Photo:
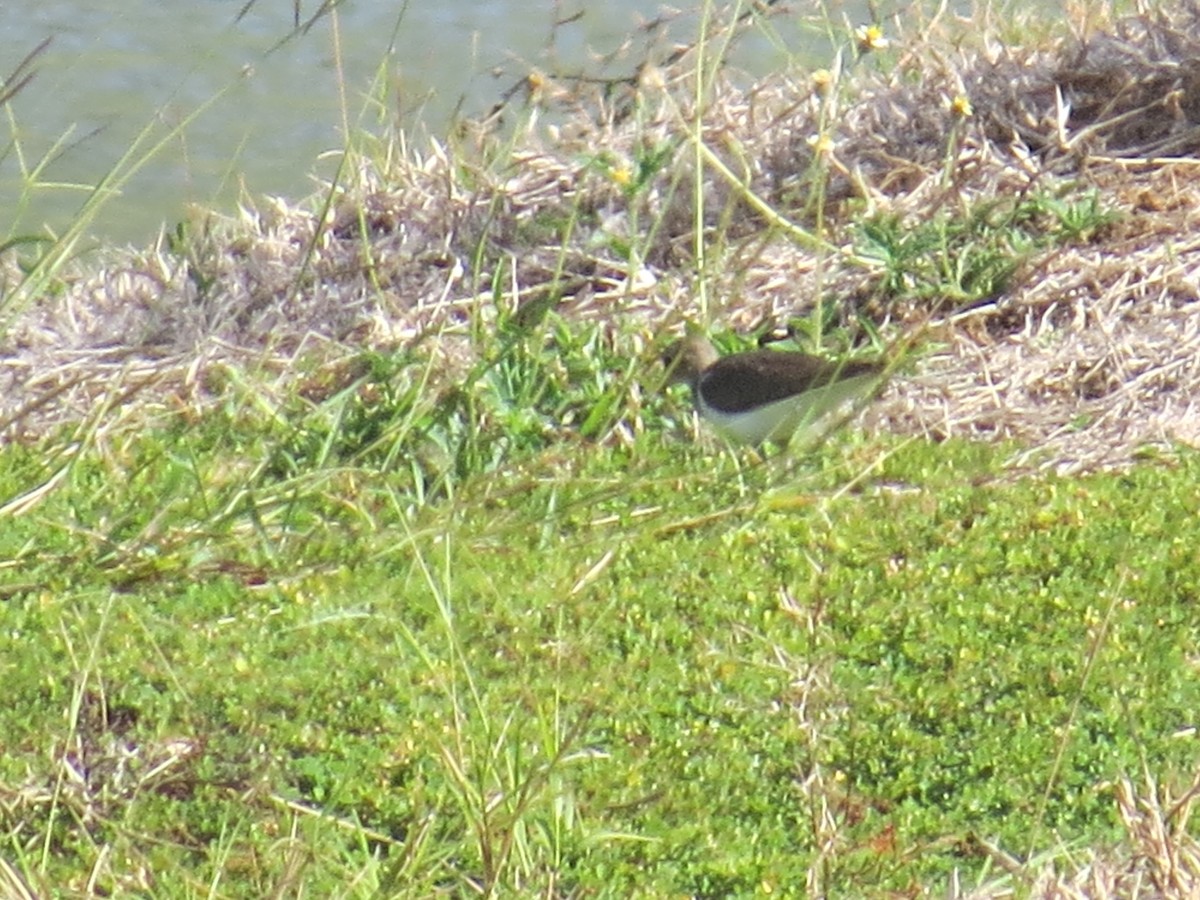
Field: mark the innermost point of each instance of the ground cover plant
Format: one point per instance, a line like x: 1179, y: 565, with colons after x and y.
x: 353, y: 549
x: 591, y: 674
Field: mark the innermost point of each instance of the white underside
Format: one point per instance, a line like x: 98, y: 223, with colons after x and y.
x: 807, y: 413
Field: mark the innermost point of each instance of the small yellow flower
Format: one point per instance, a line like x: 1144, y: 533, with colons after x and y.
x: 960, y: 107
x: 621, y: 175
x: 822, y: 81
x: 538, y: 86
x: 870, y: 37
x: 651, y: 78
x: 822, y: 144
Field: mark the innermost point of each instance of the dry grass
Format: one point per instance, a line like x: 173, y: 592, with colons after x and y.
x: 1091, y: 355
x: 1160, y: 860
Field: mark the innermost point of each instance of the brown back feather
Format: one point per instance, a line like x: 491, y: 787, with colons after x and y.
x: 745, y: 380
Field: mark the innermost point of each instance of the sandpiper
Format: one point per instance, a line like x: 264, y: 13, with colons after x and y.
x: 765, y: 395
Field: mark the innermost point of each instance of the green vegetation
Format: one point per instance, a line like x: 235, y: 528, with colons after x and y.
x: 354, y: 549
x: 973, y: 255
x: 242, y: 651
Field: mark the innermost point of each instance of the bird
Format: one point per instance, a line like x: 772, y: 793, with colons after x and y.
x: 766, y: 395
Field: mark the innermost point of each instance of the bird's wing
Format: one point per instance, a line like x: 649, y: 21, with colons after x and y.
x: 764, y: 376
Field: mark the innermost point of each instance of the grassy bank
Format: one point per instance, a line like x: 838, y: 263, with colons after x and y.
x: 649, y: 672
x: 352, y: 548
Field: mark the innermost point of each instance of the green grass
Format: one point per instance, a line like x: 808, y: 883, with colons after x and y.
x: 381, y: 629
x: 972, y: 254
x: 575, y: 668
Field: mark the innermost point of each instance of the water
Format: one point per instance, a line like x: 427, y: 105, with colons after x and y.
x: 240, y: 106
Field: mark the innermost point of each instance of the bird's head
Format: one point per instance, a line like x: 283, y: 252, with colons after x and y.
x: 687, y: 358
